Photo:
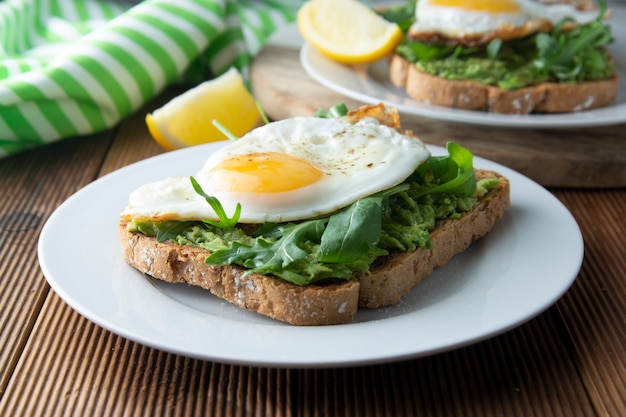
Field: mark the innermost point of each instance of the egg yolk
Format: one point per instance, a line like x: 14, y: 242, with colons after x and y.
x: 493, y: 6
x: 269, y: 172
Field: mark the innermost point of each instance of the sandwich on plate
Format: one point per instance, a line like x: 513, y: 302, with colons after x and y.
x: 309, y: 218
x: 505, y: 56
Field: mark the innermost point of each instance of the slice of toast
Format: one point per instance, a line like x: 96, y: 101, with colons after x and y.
x: 470, y: 95
x: 390, y: 278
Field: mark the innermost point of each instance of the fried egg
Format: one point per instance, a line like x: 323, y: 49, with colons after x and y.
x: 293, y: 169
x: 473, y: 22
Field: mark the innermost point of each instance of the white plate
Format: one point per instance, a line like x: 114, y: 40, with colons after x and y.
x: 528, y: 261
x: 372, y: 86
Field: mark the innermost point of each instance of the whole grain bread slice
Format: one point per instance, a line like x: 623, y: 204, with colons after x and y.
x: 470, y: 95
x: 390, y: 279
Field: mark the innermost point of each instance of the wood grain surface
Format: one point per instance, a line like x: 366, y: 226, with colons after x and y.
x: 577, y: 157
x: 568, y: 361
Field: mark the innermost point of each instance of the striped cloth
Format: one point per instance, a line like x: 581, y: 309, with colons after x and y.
x: 76, y: 67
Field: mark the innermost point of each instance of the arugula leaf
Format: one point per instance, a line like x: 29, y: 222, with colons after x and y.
x: 224, y: 221
x: 230, y: 135
x: 336, y: 111
x: 456, y: 172
x: 267, y: 257
x: 224, y: 130
x: 421, y: 51
x: 162, y: 231
x: 493, y: 48
x: 403, y: 15
x: 574, y: 55
x: 264, y: 117
x: 352, y: 231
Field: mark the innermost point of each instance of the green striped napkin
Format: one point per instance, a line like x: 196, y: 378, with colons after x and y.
x: 76, y: 67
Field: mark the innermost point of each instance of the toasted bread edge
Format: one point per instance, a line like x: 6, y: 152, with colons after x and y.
x: 470, y: 95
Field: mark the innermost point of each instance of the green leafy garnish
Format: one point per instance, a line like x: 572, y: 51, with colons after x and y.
x: 355, y: 230
x: 162, y: 231
x: 455, y: 172
x: 224, y: 130
x: 403, y: 14
x: 273, y: 257
x: 352, y: 231
x: 230, y: 134
x: 336, y: 111
x: 493, y: 48
x: 224, y: 221
x: 264, y: 117
x: 575, y: 55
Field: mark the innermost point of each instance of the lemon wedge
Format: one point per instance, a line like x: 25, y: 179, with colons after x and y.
x: 347, y: 31
x: 187, y: 119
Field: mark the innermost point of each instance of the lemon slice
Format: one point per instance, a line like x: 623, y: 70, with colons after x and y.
x: 347, y: 31
x: 187, y: 119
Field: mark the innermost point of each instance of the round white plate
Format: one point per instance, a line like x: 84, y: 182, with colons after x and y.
x: 521, y: 268
x: 371, y: 85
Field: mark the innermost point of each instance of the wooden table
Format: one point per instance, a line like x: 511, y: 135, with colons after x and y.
x: 568, y: 361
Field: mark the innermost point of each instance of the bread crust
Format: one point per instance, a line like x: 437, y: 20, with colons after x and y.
x: 300, y: 305
x: 390, y: 279
x: 469, y: 95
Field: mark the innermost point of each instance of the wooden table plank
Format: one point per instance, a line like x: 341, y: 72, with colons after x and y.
x: 594, y: 309
x: 32, y: 185
x: 73, y: 367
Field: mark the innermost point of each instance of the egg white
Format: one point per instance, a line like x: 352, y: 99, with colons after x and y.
x: 556, y: 11
x: 357, y: 160
x: 470, y: 26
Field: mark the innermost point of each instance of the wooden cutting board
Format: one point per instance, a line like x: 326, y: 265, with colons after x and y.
x: 576, y: 157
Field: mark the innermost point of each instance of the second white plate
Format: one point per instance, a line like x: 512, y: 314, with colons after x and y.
x: 373, y: 86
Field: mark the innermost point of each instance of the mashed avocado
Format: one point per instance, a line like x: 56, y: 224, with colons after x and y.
x: 483, y: 70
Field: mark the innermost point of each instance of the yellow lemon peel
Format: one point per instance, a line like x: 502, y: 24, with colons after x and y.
x: 187, y: 119
x: 347, y: 31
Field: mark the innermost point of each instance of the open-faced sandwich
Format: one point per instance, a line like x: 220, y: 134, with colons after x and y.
x: 306, y: 219
x: 505, y: 56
